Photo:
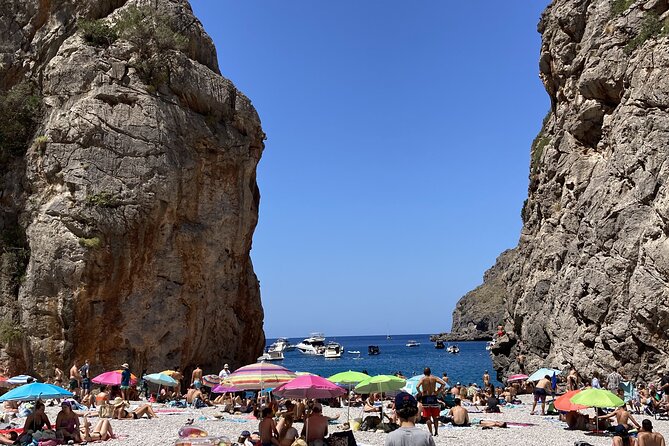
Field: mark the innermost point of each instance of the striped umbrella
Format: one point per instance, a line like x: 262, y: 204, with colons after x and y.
x: 258, y: 376
x: 211, y: 380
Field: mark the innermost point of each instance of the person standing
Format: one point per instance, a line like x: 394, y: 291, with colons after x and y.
x: 125, y: 381
x: 486, y: 379
x: 664, y: 383
x: 223, y: 374
x: 58, y: 377
x: 75, y: 378
x: 406, y: 408
x: 595, y: 381
x: 84, y: 371
x: 572, y: 380
x: 540, y: 392
x: 427, y: 387
x: 196, y: 377
x: 613, y: 381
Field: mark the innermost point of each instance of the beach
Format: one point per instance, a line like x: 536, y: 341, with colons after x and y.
x: 530, y: 430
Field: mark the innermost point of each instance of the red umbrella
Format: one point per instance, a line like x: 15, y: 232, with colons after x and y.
x: 309, y: 386
x: 562, y: 402
x: 112, y: 378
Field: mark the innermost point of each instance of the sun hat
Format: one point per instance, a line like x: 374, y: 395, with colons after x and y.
x: 118, y: 401
x: 125, y: 365
x: 404, y: 400
x: 226, y: 366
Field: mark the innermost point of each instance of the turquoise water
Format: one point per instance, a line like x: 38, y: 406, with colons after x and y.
x: 465, y: 367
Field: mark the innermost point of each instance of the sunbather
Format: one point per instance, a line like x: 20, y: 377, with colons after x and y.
x: 101, y: 431
x: 120, y: 411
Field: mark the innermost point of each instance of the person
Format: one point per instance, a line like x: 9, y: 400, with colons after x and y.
x: 458, y: 415
x: 315, y: 427
x: 101, y: 432
x: 613, y: 380
x: 143, y: 387
x: 664, y: 383
x: 84, y: 371
x: 67, y: 423
x: 287, y: 433
x: 373, y: 404
x: 595, y: 381
x: 623, y: 418
x: 58, y: 376
x: 647, y: 437
x: 486, y: 379
x: 75, y: 377
x: 540, y: 392
x: 576, y: 420
x: 125, y: 380
x: 178, y: 377
x: 223, y: 374
x: 492, y: 403
x: 196, y: 377
x: 37, y: 420
x: 9, y: 438
x: 572, y: 380
x: 406, y: 408
x: 520, y: 360
x: 427, y: 387
x: 121, y: 413
x: 267, y: 427
x: 444, y: 378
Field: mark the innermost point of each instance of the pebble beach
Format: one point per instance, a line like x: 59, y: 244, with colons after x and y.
x: 530, y: 430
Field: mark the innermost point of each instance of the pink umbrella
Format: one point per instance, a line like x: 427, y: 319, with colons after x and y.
x: 112, y: 378
x: 518, y: 377
x: 309, y: 386
x: 224, y: 389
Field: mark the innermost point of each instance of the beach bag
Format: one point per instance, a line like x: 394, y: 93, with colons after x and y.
x: 370, y: 423
x: 343, y: 438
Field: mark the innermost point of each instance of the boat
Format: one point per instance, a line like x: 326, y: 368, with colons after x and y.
x: 280, y: 345
x: 354, y: 352
x: 453, y: 349
x: 271, y: 356
x: 373, y: 350
x: 333, y: 350
x: 439, y: 345
x: 313, y: 345
x: 412, y: 343
x: 388, y: 338
x: 490, y: 345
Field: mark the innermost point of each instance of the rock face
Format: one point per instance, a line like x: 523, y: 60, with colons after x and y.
x: 135, y: 202
x: 479, y: 312
x: 589, y: 287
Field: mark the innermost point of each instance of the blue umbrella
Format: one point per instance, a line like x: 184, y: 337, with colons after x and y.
x: 410, y: 386
x: 539, y: 374
x: 554, y: 382
x: 35, y: 391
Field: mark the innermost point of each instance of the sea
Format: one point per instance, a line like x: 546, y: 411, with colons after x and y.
x: 465, y: 367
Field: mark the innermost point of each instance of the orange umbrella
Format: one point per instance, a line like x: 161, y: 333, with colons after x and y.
x: 562, y: 402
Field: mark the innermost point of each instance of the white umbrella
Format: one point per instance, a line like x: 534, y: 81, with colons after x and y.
x: 161, y: 379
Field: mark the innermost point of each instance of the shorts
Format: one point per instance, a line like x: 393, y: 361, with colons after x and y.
x: 125, y: 387
x: 86, y: 384
x: 74, y: 384
x: 197, y: 383
x: 540, y: 395
x: 431, y: 412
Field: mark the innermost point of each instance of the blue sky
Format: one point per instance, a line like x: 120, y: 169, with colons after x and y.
x: 397, y: 156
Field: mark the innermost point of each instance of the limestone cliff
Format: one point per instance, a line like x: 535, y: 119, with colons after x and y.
x: 479, y: 312
x: 590, y: 284
x: 128, y: 208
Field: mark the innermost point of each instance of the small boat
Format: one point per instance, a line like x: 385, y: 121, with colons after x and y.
x: 490, y: 345
x: 313, y: 345
x: 280, y: 345
x: 354, y: 352
x: 271, y: 356
x: 333, y: 350
x: 412, y: 343
x: 388, y: 338
x: 439, y: 345
x: 453, y: 349
x: 373, y: 350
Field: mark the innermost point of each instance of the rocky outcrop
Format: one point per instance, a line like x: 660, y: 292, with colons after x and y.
x: 135, y: 200
x: 590, y: 283
x: 479, y: 312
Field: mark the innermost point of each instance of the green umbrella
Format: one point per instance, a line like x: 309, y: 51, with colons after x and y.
x: 380, y: 383
x: 597, y: 398
x: 349, y: 378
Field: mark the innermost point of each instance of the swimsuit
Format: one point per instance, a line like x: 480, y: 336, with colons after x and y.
x: 431, y: 406
x: 540, y: 394
x: 74, y: 384
x: 197, y: 383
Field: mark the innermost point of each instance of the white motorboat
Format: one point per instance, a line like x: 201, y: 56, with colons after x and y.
x: 271, y: 356
x: 412, y: 343
x: 453, y: 349
x: 333, y: 350
x: 280, y: 345
x: 490, y: 345
x: 313, y: 345
x: 355, y: 352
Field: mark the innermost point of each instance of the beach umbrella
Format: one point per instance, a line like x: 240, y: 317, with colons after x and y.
x: 517, y: 377
x: 35, y: 391
x: 380, y: 384
x: 597, y: 398
x: 222, y: 388
x: 259, y: 376
x: 411, y: 384
x: 309, y: 386
x: 211, y: 380
x: 112, y: 378
x: 348, y: 377
x: 541, y: 373
x: 161, y: 379
x: 20, y: 379
x: 564, y: 404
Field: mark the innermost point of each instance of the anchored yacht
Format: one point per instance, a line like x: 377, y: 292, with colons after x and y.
x: 313, y: 345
